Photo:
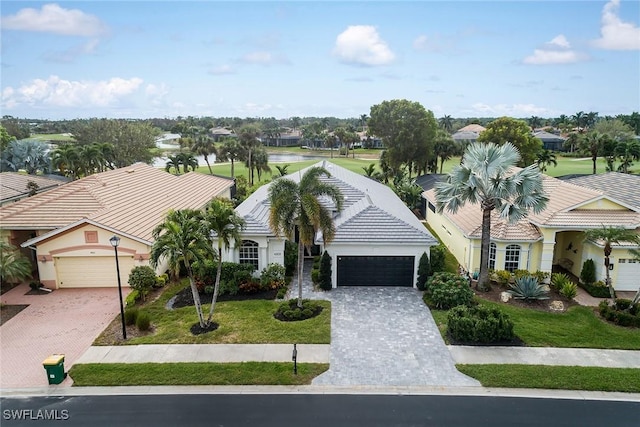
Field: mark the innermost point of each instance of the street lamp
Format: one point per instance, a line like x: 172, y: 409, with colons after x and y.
x: 115, y: 241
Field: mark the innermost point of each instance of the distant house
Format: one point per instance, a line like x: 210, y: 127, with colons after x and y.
x: 550, y: 141
x: 555, y: 237
x: 219, y: 133
x: 66, y: 231
x: 15, y: 186
x: 468, y: 134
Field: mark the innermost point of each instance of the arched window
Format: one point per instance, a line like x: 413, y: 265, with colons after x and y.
x: 249, y: 253
x: 492, y: 256
x: 512, y: 258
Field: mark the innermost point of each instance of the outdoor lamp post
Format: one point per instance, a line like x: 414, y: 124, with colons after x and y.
x: 115, y: 241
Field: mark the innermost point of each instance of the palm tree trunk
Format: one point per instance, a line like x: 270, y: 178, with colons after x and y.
x: 196, y: 298
x: 232, y: 173
x: 300, y: 270
x: 483, y: 278
x: 608, y: 280
x: 208, y: 165
x: 594, y: 159
x: 216, y: 288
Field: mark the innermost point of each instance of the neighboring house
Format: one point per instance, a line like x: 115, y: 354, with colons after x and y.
x: 287, y: 139
x: 378, y: 240
x: 219, y: 133
x: 555, y: 237
x: 468, y: 134
x: 550, y: 141
x: 66, y: 231
x: 15, y: 186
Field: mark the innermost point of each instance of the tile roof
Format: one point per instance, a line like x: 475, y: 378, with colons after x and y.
x: 132, y: 200
x: 13, y: 185
x: 621, y: 186
x: 563, y: 211
x: 472, y: 128
x: 371, y: 211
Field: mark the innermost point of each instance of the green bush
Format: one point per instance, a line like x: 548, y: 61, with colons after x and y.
x: 588, y: 272
x: 132, y: 298
x: 523, y: 273
x: 315, y: 276
x: 424, y: 271
x: 446, y: 290
x: 130, y: 315
x: 272, y: 277
x: 527, y: 288
x: 597, y: 289
x: 569, y: 290
x: 143, y: 322
x: 161, y: 280
x: 541, y: 276
x: 479, y: 324
x: 503, y: 277
x: 250, y: 286
x: 618, y: 314
x: 324, y: 279
x: 142, y: 278
x: 282, y: 292
x: 231, y: 272
x: 289, y: 311
x: 316, y: 262
x: 438, y: 256
x: 209, y: 289
x: 290, y: 257
x: 558, y: 280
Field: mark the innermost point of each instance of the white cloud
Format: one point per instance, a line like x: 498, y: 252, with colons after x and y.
x: 156, y: 93
x: 87, y: 48
x: 222, y: 69
x: 58, y: 92
x: 362, y: 45
x: 556, y: 51
x: 616, y: 34
x: 437, y: 43
x: 513, y: 110
x: 55, y: 19
x: 263, y: 58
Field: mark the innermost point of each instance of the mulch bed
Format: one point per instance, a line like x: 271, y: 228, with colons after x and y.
x: 8, y: 311
x: 196, y: 329
x: 184, y: 298
x: 540, y: 305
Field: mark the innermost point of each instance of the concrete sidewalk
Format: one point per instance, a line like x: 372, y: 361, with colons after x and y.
x: 213, y: 353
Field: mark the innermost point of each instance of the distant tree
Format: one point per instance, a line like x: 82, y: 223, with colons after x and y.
x: 5, y: 138
x: 579, y: 119
x: 535, y: 122
x: 248, y: 139
x: 205, y: 147
x: 627, y: 152
x: 363, y: 121
x: 66, y: 158
x: 517, y: 132
x: 592, y: 144
x: 295, y: 122
x: 546, y: 158
x: 231, y: 151
x: 444, y: 147
x: 446, y: 123
x: 16, y: 128
x: 632, y: 120
x: 173, y: 162
x: 572, y: 141
x: 261, y: 161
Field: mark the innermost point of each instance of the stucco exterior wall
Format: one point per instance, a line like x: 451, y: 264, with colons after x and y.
x: 453, y: 238
x: 602, y: 204
x: 270, y: 250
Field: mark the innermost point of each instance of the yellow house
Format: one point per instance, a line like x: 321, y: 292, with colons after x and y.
x: 66, y: 231
x: 555, y: 237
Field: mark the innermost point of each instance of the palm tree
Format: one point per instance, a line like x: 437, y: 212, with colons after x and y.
x: 446, y: 123
x: 298, y: 204
x: 592, y: 143
x: 66, y: 158
x: 231, y: 151
x: 369, y: 170
x: 188, y: 161
x: 546, y: 158
x: 223, y: 221
x: 579, y: 119
x: 91, y: 159
x: 486, y: 177
x: 205, y: 147
x: 573, y: 139
x: 180, y: 240
x: 609, y: 236
x: 444, y: 147
x: 363, y: 121
x: 173, y: 162
x: 261, y: 161
x: 282, y: 170
x: 107, y: 157
x: 14, y: 266
x: 627, y: 151
x: 535, y: 122
x: 249, y: 142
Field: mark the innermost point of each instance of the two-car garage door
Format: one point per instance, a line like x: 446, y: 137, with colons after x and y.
x: 375, y: 270
x: 94, y: 272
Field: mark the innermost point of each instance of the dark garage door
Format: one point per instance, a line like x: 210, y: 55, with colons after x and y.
x: 375, y: 270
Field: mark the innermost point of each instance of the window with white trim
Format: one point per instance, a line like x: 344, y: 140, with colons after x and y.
x: 492, y: 256
x: 249, y: 253
x: 512, y: 258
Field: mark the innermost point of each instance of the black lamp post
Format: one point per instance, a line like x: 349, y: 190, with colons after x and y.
x: 115, y: 241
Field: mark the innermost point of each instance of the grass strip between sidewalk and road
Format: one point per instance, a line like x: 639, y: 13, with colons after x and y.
x: 586, y: 378
x: 246, y: 373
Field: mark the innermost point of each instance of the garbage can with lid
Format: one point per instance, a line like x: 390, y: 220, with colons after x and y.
x: 54, y: 365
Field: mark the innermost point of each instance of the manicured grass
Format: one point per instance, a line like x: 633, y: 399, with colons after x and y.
x: 241, y: 322
x: 578, y: 327
x: 56, y: 137
x: 248, y: 373
x: 555, y: 377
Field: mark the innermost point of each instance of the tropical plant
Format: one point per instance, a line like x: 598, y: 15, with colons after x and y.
x: 180, y: 240
x: 558, y: 280
x: 592, y: 144
x: 223, y: 225
x: 205, y: 147
x: 546, y: 158
x: 444, y: 147
x: 298, y: 204
x: 324, y: 279
x: 606, y: 237
x: 569, y: 290
x: 248, y: 139
x: 14, y: 267
x: 142, y: 278
x: 527, y: 288
x: 486, y: 177
x: 446, y: 123
x: 30, y: 155
x: 424, y: 271
x: 231, y: 151
x: 369, y: 170
x: 446, y: 290
x: 588, y: 272
x: 479, y: 324
x: 282, y: 169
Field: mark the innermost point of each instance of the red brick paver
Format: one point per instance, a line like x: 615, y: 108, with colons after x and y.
x: 66, y: 321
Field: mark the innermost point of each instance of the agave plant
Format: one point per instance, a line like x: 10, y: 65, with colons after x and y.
x: 559, y: 280
x: 528, y: 288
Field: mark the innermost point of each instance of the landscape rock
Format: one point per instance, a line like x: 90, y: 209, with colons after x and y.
x: 556, y: 306
x: 505, y: 296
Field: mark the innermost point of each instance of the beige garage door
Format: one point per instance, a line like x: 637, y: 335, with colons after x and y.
x: 92, y: 272
x: 628, y: 275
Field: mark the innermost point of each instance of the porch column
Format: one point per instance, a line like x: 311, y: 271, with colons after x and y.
x: 548, y: 246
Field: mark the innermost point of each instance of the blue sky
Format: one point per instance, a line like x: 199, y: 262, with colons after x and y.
x: 144, y: 59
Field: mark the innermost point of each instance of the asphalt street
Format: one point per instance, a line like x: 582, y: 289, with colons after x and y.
x: 311, y: 410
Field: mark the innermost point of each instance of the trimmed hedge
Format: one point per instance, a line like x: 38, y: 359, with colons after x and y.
x: 596, y: 290
x: 620, y: 316
x: 479, y: 324
x: 446, y: 290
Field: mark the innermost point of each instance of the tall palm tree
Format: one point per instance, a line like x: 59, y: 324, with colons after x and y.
x: 205, y: 147
x: 446, y: 123
x: 14, y: 266
x: 248, y: 138
x: 546, y: 158
x: 180, y: 240
x: 222, y: 220
x: 91, y: 159
x: 261, y: 161
x: 108, y: 155
x: 173, y: 162
x: 609, y: 236
x: 627, y: 151
x: 592, y: 143
x: 66, y: 158
x: 231, y: 151
x: 363, y: 121
x: 444, y: 147
x: 486, y: 177
x: 294, y: 203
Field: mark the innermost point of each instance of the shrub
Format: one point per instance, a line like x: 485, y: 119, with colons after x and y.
x: 228, y: 288
x: 250, y: 286
x: 618, y: 315
x: 588, y: 272
x: 424, y: 271
x: 272, y: 276
x: 282, y: 292
x: 324, y: 279
x: 558, y: 280
x: 446, y: 290
x: 161, y: 280
x: 523, y: 273
x: 597, y: 289
x: 479, y: 324
x: 569, y: 290
x: 130, y: 315
x: 541, y: 276
x: 316, y: 262
x: 231, y: 272
x: 290, y: 257
x: 315, y: 276
x: 503, y: 277
x: 527, y: 288
x: 142, y: 279
x: 143, y: 322
x: 438, y: 255
x: 209, y: 289
x: 289, y: 311
x: 132, y: 298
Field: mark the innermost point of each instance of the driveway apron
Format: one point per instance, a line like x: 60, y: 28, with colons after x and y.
x: 386, y: 336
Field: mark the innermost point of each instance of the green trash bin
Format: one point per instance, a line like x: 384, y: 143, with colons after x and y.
x: 54, y: 365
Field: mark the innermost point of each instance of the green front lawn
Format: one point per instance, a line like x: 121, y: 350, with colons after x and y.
x: 247, y: 373
x: 625, y: 380
x: 578, y: 327
x: 241, y: 322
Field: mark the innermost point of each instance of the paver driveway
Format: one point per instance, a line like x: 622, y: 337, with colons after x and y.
x: 386, y: 336
x: 65, y: 321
